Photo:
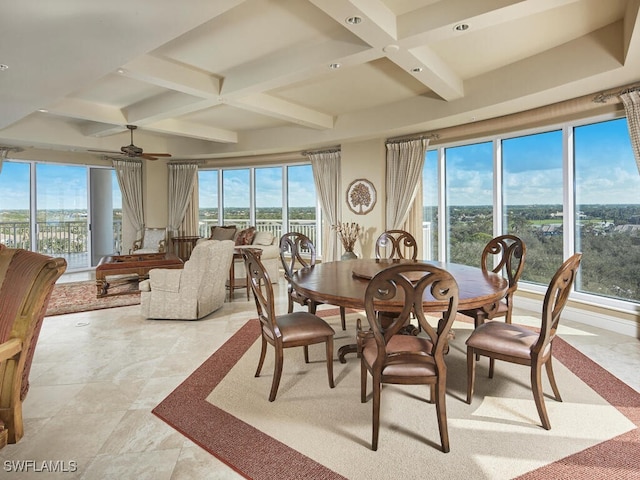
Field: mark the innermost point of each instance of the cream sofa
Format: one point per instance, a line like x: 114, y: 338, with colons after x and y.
x: 263, y: 240
x: 193, y: 292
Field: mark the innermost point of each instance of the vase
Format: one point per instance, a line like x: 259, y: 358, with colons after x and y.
x: 349, y: 255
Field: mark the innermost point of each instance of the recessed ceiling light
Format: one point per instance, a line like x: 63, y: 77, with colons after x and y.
x: 461, y: 27
x: 416, y: 69
x: 43, y: 110
x: 353, y: 20
x: 334, y: 66
x: 3, y: 67
x: 120, y: 71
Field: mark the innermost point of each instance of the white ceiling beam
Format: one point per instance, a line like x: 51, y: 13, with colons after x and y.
x: 172, y: 76
x: 632, y: 31
x: 435, y: 22
x: 193, y: 130
x: 282, y: 109
x: 95, y: 112
x: 378, y: 29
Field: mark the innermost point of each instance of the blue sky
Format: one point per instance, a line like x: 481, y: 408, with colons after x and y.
x: 606, y: 173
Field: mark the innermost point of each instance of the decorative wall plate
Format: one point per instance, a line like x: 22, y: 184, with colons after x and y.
x: 361, y: 196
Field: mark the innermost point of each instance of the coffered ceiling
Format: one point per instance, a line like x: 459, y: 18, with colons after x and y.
x: 212, y: 79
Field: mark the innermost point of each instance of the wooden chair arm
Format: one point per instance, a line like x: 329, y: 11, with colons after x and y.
x: 10, y: 348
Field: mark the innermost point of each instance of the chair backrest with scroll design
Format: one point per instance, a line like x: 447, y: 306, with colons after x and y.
x: 396, y: 244
x: 393, y: 357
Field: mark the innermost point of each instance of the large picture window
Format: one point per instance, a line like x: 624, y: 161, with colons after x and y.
x: 607, y: 210
x: 562, y: 190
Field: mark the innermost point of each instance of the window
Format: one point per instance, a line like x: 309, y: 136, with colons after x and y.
x: 268, y: 187
x: 430, y: 195
x: 532, y: 200
x: 607, y: 210
x: 46, y: 208
x: 301, y: 202
x: 15, y: 205
x: 469, y: 193
x: 283, y: 199
x: 236, y: 198
x: 208, y: 201
x: 561, y: 190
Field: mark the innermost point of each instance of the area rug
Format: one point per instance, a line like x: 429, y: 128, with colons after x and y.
x: 75, y: 297
x: 312, y: 431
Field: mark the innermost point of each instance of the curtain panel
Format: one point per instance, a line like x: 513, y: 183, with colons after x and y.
x: 326, y: 176
x: 129, y: 175
x: 405, y: 160
x: 631, y: 102
x: 182, y: 177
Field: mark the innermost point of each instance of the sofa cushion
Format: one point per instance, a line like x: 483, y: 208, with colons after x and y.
x: 245, y: 237
x: 223, y: 233
x: 263, y: 238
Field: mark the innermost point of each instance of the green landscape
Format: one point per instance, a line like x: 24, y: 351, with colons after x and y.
x: 609, y: 238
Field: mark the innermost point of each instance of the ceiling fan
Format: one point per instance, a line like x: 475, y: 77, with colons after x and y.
x: 133, y: 151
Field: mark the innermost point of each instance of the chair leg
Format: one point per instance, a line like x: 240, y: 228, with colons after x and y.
x: 313, y: 306
x: 552, y: 380
x: 492, y: 364
x: 330, y: 361
x: 363, y: 382
x: 471, y: 374
x: 306, y: 353
x: 263, y: 352
x: 441, y: 411
x: 432, y: 393
x: 343, y: 320
x: 290, y: 306
x: 538, y: 395
x: 277, y: 373
x: 376, y: 413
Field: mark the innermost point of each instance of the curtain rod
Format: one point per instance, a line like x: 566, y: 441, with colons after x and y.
x: 604, y: 96
x: 405, y: 138
x: 326, y: 150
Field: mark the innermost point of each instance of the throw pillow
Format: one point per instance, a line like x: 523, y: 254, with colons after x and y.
x: 223, y: 233
x: 263, y: 238
x: 245, y: 237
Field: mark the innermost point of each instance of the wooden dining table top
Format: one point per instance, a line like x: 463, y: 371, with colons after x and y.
x: 343, y: 283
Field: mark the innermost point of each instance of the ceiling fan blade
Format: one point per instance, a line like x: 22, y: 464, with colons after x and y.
x: 105, y: 151
x: 157, y: 154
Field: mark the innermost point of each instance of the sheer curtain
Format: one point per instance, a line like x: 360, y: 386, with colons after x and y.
x: 190, y: 222
x: 129, y: 175
x: 326, y: 176
x: 631, y: 102
x: 405, y: 160
x: 182, y: 177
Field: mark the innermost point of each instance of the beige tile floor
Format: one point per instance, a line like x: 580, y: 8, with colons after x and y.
x: 97, y: 375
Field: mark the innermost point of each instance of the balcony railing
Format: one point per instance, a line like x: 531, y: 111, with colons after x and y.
x: 306, y: 227
x: 67, y: 239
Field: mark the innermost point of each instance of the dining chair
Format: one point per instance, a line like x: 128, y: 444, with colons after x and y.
x: 523, y: 345
x: 396, y: 244
x: 298, y: 251
x: 504, y: 254
x: 295, y: 329
x: 390, y: 357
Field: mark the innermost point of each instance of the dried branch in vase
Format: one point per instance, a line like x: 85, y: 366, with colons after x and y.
x: 348, y: 233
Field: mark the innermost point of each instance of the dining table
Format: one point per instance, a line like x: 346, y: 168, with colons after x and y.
x: 343, y: 283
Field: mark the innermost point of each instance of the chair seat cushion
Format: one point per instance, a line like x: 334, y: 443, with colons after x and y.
x: 500, y: 337
x: 403, y: 343
x: 302, y: 326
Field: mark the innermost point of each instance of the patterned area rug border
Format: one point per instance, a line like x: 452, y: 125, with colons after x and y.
x: 246, y: 449
x: 76, y: 297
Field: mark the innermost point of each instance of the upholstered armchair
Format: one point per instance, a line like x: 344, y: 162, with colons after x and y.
x: 192, y: 292
x: 154, y: 240
x: 26, y: 282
